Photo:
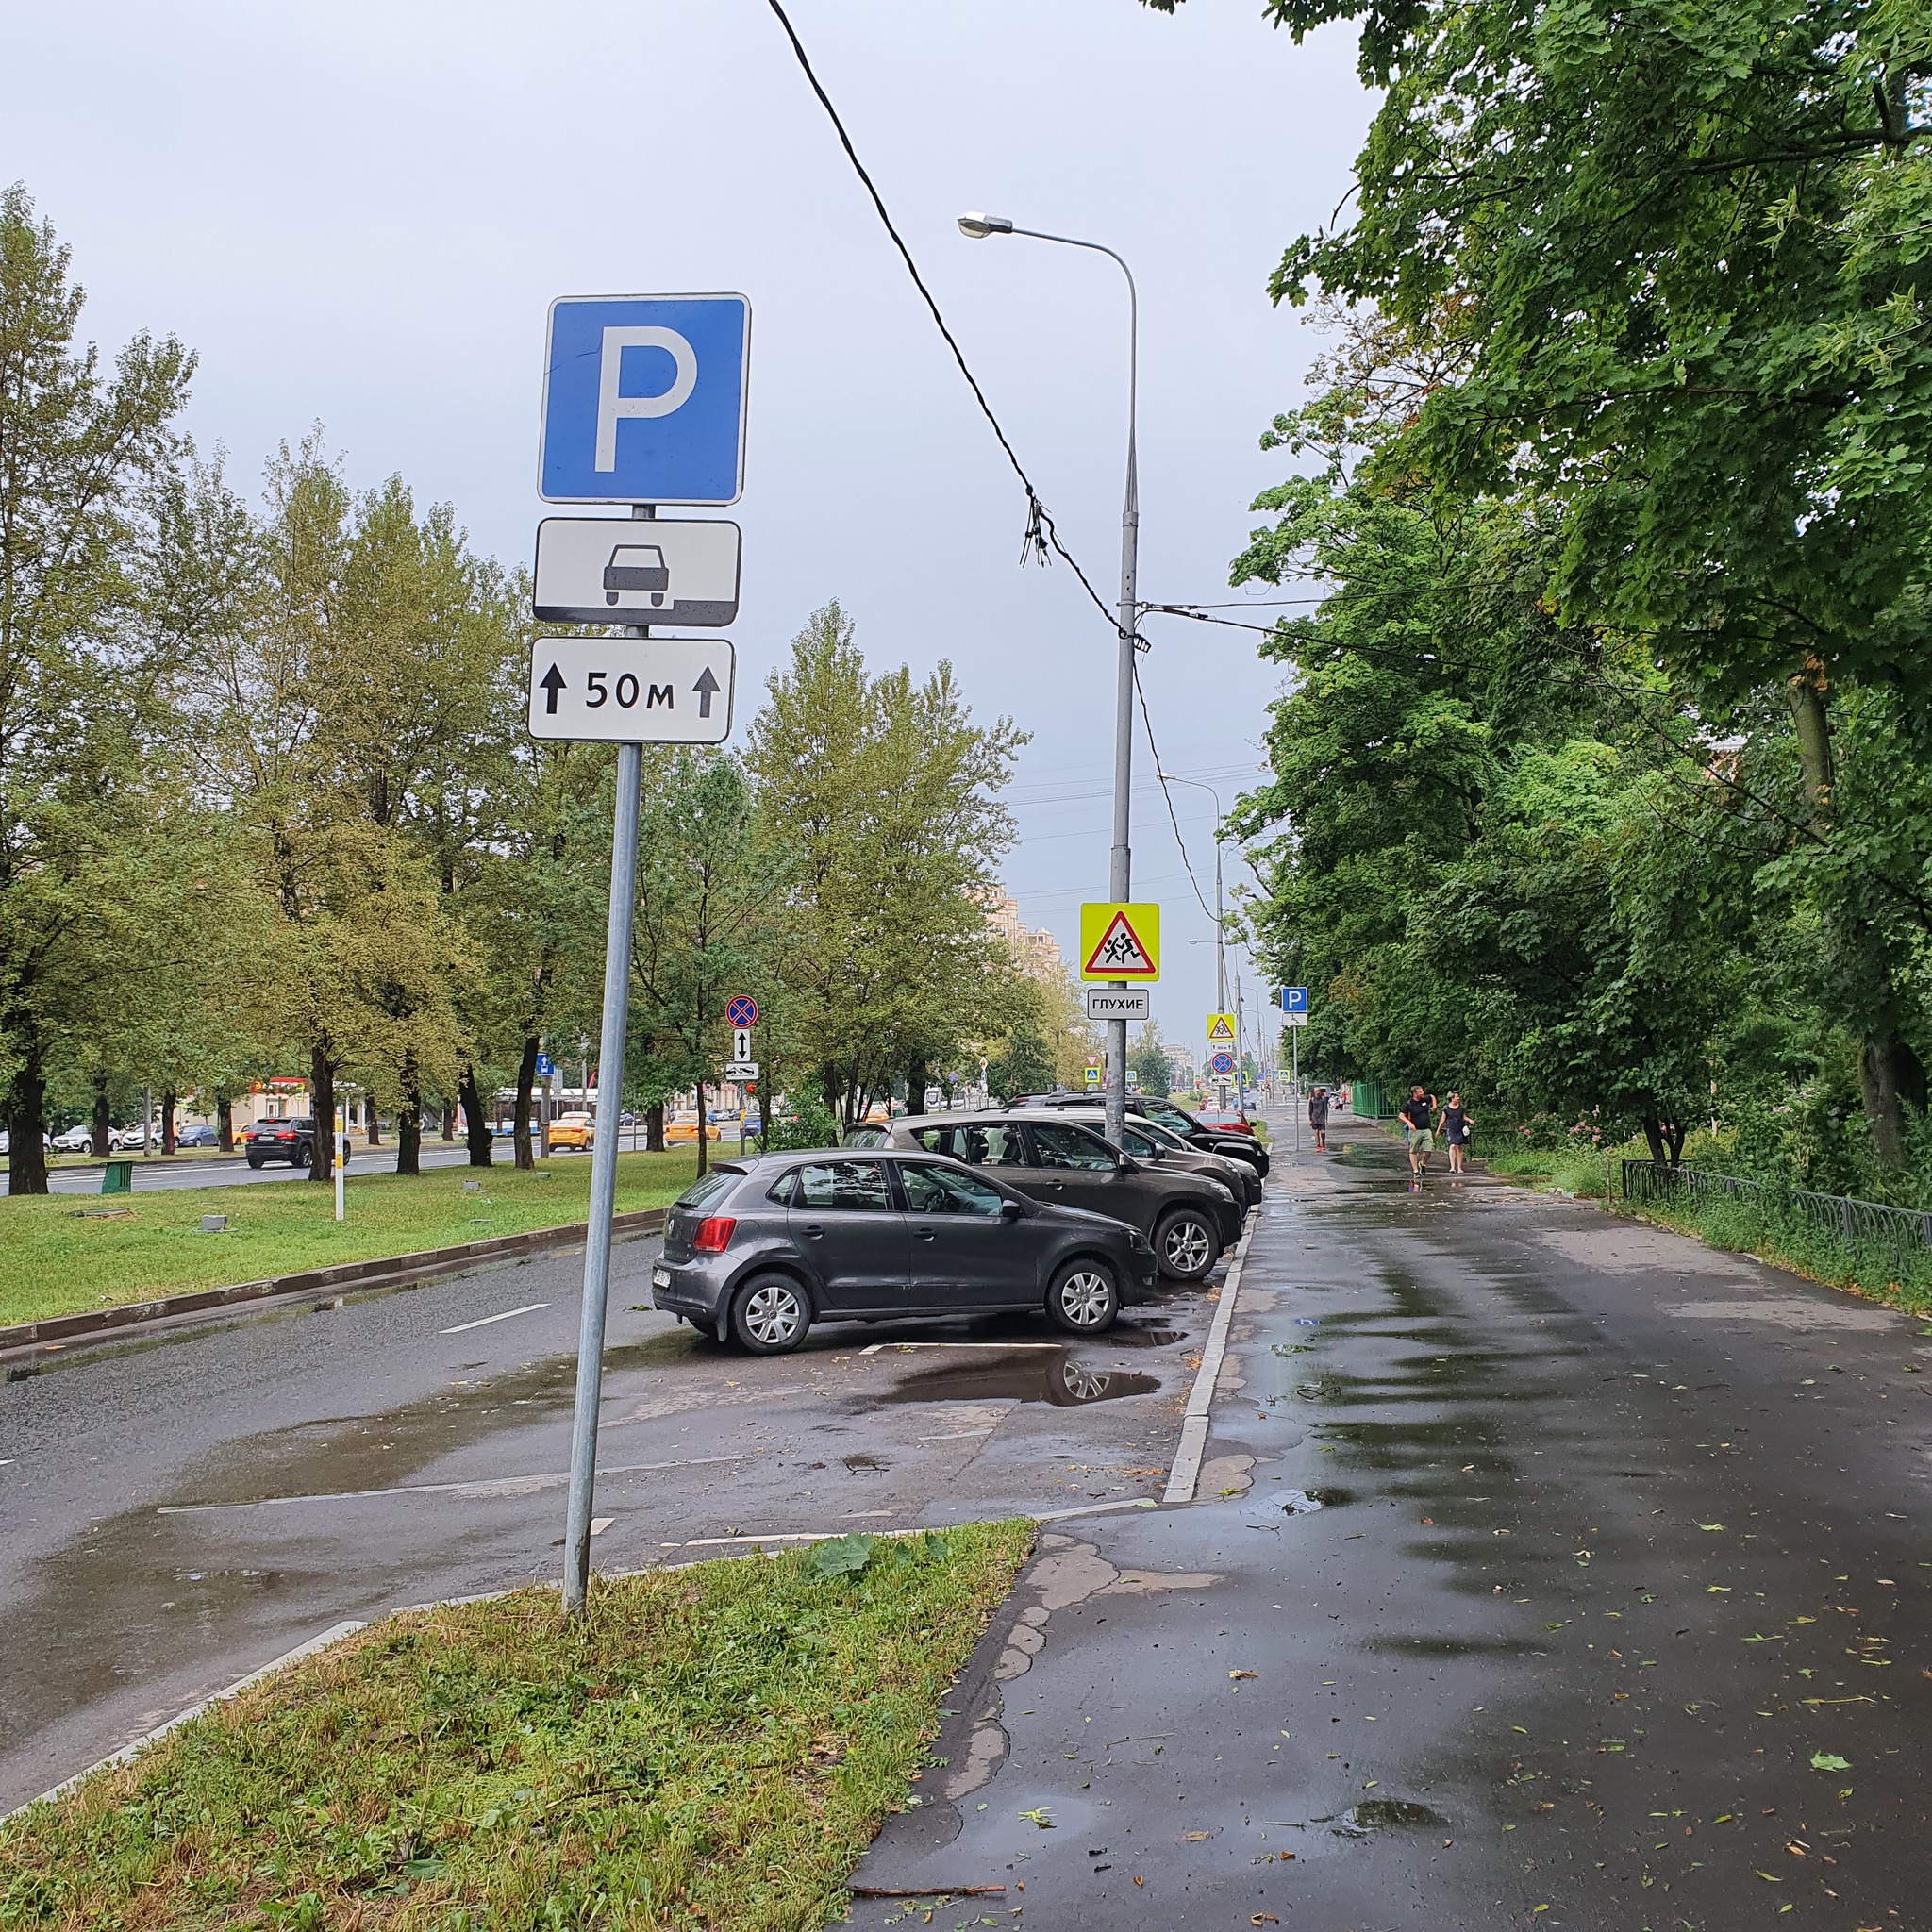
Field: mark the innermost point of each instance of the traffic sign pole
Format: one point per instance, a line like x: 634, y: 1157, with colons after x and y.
x: 583, y: 1442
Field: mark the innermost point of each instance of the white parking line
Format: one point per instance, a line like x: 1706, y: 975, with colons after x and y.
x: 494, y: 1486
x: 876, y: 1346
x: 1186, y: 1473
x: 483, y: 1322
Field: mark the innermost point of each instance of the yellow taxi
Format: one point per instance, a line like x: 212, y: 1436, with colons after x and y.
x: 684, y: 1128
x: 575, y: 1130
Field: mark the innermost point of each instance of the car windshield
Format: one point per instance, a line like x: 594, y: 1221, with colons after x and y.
x: 1165, y: 1113
x: 946, y: 1190
x: 709, y: 1187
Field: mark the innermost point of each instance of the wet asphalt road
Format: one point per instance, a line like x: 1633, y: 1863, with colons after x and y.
x: 1621, y: 1548
x: 231, y: 1170
x: 177, y: 1513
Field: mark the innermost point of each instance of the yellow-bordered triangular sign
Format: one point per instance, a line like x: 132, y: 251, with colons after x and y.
x: 1120, y: 941
x: 1219, y: 1029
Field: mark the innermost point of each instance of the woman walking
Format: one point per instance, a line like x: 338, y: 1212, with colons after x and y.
x: 1318, y: 1118
x: 1457, y: 1126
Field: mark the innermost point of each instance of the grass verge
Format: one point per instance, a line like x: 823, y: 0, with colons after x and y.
x: 61, y: 1255
x: 715, y: 1746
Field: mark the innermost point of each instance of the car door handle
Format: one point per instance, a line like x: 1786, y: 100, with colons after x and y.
x: 927, y: 1234
x: 814, y: 1230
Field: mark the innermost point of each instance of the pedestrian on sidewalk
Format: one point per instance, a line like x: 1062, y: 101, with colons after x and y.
x: 1318, y: 1118
x: 1418, y: 1119
x: 1456, y: 1128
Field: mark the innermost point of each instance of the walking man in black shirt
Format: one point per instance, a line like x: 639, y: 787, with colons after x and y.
x: 1417, y: 1116
x: 1318, y: 1118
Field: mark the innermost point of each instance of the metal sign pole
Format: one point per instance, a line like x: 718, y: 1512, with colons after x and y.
x: 1294, y: 1081
x: 583, y: 1442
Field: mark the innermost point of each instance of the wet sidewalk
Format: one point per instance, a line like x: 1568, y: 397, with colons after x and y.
x: 1548, y: 1569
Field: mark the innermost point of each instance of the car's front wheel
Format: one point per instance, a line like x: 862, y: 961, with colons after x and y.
x: 1186, y: 1245
x: 771, y: 1314
x: 1084, y: 1298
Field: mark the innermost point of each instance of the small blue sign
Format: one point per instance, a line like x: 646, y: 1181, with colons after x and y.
x: 644, y: 399
x: 545, y: 1066
x: 1295, y: 999
x: 1221, y: 1063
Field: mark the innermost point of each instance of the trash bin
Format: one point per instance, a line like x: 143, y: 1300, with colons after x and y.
x: 117, y: 1177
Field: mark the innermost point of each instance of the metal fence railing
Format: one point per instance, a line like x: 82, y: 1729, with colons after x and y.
x: 1904, y: 1232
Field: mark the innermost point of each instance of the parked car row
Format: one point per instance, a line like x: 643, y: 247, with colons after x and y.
x: 949, y: 1214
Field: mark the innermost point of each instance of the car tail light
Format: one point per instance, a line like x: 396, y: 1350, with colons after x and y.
x: 713, y: 1232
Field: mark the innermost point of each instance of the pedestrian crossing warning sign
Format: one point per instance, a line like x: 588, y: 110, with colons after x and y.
x: 1219, y: 1029
x: 1120, y: 941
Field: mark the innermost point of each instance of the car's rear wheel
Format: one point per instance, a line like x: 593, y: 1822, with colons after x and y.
x: 1084, y: 1298
x: 254, y: 1161
x: 771, y: 1314
x: 1186, y: 1245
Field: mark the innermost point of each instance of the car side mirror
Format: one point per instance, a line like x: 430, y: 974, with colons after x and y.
x: 1011, y: 1210
x: 1127, y: 1164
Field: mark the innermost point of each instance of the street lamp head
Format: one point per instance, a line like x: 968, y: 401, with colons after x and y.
x: 979, y: 227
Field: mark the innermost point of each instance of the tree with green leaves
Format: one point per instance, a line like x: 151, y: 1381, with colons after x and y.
x: 82, y: 661
x: 886, y: 794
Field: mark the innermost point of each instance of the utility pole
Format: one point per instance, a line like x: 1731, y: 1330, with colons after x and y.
x: 1119, y: 861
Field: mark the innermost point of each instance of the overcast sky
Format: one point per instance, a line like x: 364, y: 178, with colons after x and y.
x: 357, y: 214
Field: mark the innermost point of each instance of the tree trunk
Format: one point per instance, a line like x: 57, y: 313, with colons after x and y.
x: 409, y: 1121
x: 526, y: 1081
x: 1807, y: 693
x: 654, y: 1127
x: 915, y: 1086
x: 372, y: 1125
x: 1654, y: 1133
x: 476, y: 1124
x: 1893, y: 1078
x: 27, y: 1110
x: 449, y: 1119
x: 104, y: 1116
x: 704, y: 1135
x: 224, y: 1121
x: 321, y: 1106
x: 167, y: 1120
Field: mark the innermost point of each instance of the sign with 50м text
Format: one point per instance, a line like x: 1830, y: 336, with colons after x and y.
x: 644, y: 399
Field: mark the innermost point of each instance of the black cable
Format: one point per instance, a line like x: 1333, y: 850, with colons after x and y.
x: 1037, y: 517
x: 1173, y: 818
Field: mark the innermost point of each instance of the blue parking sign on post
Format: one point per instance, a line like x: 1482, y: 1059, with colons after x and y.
x: 644, y: 399
x: 1295, y: 999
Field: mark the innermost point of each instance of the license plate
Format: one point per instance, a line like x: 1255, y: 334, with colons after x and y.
x: 660, y: 1277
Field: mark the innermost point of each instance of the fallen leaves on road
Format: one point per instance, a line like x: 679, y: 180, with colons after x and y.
x: 1042, y: 1817
x: 1243, y: 1674
x: 1829, y: 1761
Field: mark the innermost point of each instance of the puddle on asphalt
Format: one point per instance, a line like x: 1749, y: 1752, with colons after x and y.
x: 1035, y: 1377
x: 1390, y: 1814
x: 1129, y: 1335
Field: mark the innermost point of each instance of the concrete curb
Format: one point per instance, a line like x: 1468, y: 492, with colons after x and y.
x: 1186, y: 1471
x: 391, y: 1271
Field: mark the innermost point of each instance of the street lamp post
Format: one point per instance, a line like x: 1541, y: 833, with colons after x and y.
x: 1120, y: 865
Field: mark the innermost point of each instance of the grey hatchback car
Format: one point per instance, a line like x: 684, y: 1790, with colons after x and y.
x: 1189, y: 1218
x: 757, y: 1250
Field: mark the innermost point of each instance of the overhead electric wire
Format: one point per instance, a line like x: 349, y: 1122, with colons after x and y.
x: 1037, y: 514
x: 1154, y: 752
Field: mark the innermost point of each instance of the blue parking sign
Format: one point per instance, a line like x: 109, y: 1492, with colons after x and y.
x: 644, y: 399
x: 1295, y: 999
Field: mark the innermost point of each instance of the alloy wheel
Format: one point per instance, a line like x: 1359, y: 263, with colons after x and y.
x: 1087, y: 1298
x: 1189, y: 1247
x: 773, y: 1314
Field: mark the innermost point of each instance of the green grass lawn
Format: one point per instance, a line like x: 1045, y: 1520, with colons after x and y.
x: 60, y: 1254
x: 715, y: 1746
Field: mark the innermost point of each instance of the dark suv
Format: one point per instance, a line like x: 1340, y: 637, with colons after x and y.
x: 1188, y: 1218
x: 1148, y: 1141
x: 1164, y: 1113
x: 290, y: 1141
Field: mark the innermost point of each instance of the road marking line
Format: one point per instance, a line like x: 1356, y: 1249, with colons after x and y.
x: 464, y: 1327
x: 505, y: 1485
x: 1186, y: 1473
x: 1092, y: 1510
x: 877, y: 1346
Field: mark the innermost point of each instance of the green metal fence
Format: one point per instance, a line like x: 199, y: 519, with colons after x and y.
x: 1368, y: 1100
